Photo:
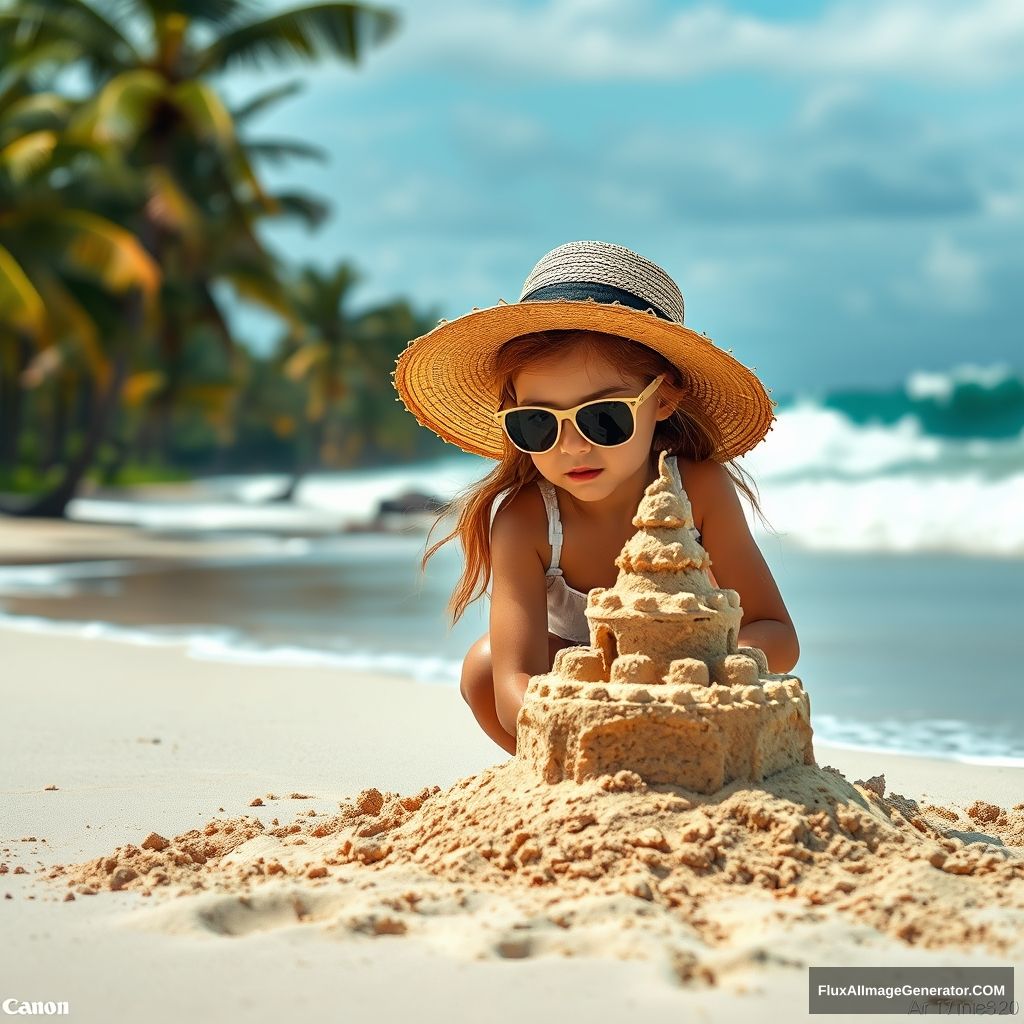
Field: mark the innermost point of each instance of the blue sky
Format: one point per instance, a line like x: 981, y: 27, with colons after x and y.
x: 837, y: 188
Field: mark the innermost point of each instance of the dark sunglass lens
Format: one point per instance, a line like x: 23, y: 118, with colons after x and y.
x: 606, y: 423
x: 534, y: 430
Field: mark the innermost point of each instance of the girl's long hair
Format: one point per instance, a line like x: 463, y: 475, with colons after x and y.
x: 686, y: 432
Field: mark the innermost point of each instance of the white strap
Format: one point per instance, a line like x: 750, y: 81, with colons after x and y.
x: 554, y: 525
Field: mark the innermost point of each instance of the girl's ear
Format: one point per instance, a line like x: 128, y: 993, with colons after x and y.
x: 669, y: 395
x: 665, y: 409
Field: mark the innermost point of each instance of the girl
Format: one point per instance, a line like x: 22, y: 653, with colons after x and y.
x: 576, y: 389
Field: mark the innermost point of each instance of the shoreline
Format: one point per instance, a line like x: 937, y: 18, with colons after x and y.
x: 224, y: 645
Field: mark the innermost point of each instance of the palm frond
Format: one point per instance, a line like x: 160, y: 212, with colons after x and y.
x: 262, y: 100
x: 139, y: 387
x: 209, y: 313
x: 341, y: 29
x: 279, y: 150
x: 209, y: 118
x: 296, y: 205
x: 262, y: 288
x: 25, y: 156
x: 215, y: 12
x: 211, y: 121
x: 31, y: 112
x: 303, y: 359
x: 71, y: 322
x: 121, y: 110
x: 40, y: 21
x: 23, y: 306
x: 24, y: 66
x: 170, y: 206
x: 106, y: 252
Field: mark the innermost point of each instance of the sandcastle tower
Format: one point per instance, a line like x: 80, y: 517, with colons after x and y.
x: 662, y: 689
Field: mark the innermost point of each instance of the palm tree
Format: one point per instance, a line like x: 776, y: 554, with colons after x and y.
x: 381, y: 333
x: 320, y: 353
x: 189, y: 191
x: 345, y: 360
x: 69, y: 277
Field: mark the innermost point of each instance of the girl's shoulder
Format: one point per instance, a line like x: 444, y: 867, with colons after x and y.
x: 699, y: 478
x: 526, y: 515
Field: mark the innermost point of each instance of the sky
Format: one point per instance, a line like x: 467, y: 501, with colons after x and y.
x: 837, y: 188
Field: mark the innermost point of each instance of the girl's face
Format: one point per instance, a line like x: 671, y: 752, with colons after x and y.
x: 567, y: 379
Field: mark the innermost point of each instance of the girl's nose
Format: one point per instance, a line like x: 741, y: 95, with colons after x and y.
x: 572, y: 439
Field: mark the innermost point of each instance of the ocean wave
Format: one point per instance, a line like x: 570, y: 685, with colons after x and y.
x: 969, y: 515
x: 229, y: 645
x: 941, y: 738
x: 965, y: 401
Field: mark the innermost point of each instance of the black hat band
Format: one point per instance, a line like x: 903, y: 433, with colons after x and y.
x: 582, y: 290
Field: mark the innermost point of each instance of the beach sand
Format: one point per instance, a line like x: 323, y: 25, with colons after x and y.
x: 41, y: 541
x: 110, y: 746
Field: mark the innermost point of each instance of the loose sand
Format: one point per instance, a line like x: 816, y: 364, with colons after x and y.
x: 610, y: 864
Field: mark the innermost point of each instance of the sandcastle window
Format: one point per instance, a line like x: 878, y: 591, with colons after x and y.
x: 731, y: 643
x: 608, y: 646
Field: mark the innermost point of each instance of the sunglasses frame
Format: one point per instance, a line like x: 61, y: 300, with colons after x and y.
x: 570, y: 414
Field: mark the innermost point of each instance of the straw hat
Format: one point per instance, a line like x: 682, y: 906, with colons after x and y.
x: 446, y: 377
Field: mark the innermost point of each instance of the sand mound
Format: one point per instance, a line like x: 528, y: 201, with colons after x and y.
x: 570, y: 859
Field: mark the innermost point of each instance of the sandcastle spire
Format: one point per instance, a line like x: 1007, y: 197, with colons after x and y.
x: 663, y: 607
x: 666, y: 540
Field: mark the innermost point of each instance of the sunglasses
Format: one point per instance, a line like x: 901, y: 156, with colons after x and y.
x: 606, y: 422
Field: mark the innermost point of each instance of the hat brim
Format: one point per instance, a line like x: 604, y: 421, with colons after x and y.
x: 445, y: 377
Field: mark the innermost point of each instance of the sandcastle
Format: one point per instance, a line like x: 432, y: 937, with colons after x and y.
x: 663, y: 690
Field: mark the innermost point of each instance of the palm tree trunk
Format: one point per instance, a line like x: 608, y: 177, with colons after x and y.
x: 54, y: 504
x: 11, y: 406
x: 308, y: 458
x: 57, y: 440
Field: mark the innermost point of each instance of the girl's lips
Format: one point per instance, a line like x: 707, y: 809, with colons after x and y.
x: 588, y: 475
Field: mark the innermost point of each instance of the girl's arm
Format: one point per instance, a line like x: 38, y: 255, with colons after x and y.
x: 518, y: 618
x: 738, y: 565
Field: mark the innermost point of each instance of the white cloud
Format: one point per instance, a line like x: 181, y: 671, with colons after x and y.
x: 949, y: 278
x: 503, y: 140
x: 708, y: 273
x: 1004, y: 203
x: 955, y: 273
x: 866, y: 163
x: 938, y: 40
x: 821, y: 105
x: 624, y: 199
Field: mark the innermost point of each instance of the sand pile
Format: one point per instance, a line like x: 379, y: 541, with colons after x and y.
x: 664, y: 802
x: 567, y: 859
